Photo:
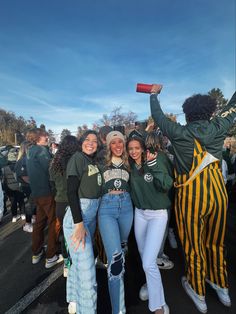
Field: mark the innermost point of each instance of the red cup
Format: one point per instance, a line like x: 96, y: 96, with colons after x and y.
x: 143, y: 88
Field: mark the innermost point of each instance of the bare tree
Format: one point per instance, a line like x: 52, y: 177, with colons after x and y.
x: 64, y: 133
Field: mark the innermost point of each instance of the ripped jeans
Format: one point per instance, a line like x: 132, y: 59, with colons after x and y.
x: 81, y: 286
x: 115, y: 217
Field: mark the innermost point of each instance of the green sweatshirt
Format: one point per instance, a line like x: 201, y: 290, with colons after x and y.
x: 37, y: 164
x: 210, y: 134
x: 60, y: 186
x: 151, y: 185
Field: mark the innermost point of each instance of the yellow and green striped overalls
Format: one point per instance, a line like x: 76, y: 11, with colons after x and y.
x: 200, y: 208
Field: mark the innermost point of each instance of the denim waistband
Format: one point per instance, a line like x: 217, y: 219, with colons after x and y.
x: 124, y: 195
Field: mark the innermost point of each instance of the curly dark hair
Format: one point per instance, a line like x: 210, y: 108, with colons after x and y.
x: 199, y: 107
x: 66, y: 149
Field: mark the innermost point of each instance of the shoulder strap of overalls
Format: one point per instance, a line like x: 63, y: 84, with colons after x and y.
x: 201, y: 159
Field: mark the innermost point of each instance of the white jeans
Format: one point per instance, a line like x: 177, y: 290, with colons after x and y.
x: 1, y: 201
x: 149, y: 228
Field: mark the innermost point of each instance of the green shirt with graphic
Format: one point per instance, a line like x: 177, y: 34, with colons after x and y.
x: 115, y: 178
x: 86, y: 170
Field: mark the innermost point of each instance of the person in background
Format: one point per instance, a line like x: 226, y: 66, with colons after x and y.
x: 226, y: 155
x: 101, y: 259
x: 3, y: 162
x: 201, y: 198
x: 163, y: 260
x: 53, y: 148
x: 224, y: 169
x: 103, y: 131
x: 23, y: 179
x: 37, y: 164
x: 151, y: 182
x: 12, y: 187
x: 57, y: 171
x: 115, y: 216
x: 84, y: 185
x: 1, y: 202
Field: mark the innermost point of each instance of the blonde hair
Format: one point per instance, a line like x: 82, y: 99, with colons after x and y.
x: 124, y: 156
x: 24, y: 146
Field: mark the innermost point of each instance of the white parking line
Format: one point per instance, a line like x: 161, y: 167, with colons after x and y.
x: 29, y: 298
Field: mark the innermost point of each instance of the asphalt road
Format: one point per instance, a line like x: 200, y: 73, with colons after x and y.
x: 18, y: 278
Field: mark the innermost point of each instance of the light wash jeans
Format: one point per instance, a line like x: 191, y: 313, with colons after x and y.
x: 149, y: 229
x: 81, y: 284
x: 115, y: 217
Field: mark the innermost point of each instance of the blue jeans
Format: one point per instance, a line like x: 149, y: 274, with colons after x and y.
x: 115, y: 217
x: 81, y: 286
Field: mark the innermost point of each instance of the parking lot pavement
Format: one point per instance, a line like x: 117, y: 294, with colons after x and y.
x: 21, y: 278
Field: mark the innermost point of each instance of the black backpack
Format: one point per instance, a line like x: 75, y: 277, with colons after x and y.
x: 20, y: 170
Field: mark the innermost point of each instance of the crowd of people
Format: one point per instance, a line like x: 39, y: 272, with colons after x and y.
x: 90, y: 191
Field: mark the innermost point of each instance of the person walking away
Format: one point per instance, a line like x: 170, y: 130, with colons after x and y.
x: 37, y: 164
x: 23, y: 180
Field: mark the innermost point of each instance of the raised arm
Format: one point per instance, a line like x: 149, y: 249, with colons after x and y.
x: 169, y: 128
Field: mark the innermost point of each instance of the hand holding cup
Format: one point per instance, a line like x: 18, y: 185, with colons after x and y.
x: 156, y: 89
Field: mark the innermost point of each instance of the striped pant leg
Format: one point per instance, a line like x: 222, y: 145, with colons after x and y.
x: 215, y: 230
x: 191, y: 206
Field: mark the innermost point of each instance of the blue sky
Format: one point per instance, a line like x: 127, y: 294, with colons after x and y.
x: 67, y: 63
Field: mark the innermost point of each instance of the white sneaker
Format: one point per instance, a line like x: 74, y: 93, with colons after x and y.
x: 56, y: 259
x: 37, y: 258
x: 28, y: 227
x: 166, y: 309
x: 33, y: 219
x: 222, y: 293
x: 23, y: 217
x: 72, y: 308
x: 172, y: 239
x: 164, y: 262
x: 65, y: 271
x: 198, y: 300
x: 15, y: 218
x: 143, y: 293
